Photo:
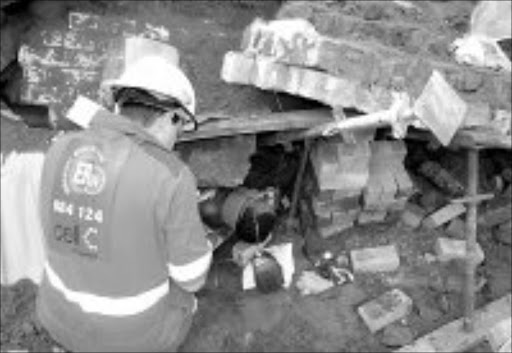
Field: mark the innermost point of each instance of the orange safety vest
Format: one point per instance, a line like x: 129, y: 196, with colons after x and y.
x: 120, y: 218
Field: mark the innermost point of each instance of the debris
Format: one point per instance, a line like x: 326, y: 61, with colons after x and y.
x: 340, y: 166
x: 443, y: 215
x: 377, y: 259
x: 440, y: 108
x: 412, y: 215
x: 500, y: 335
x: 441, y: 178
x: 490, y: 22
x: 496, y: 215
x: 391, y: 306
x: 453, y: 338
x: 312, y: 283
x: 283, y: 253
x: 397, y: 335
x: 371, y: 216
x: 503, y: 233
x: 456, y: 228
x: 451, y: 249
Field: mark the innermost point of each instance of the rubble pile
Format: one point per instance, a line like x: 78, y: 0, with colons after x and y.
x: 352, y: 54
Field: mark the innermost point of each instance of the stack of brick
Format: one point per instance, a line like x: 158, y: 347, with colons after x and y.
x: 341, y: 172
x: 353, y: 54
x: 389, y: 185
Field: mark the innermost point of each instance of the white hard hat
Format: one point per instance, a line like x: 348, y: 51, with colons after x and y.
x: 156, y: 75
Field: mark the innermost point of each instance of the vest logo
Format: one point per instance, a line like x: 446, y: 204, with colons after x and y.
x: 84, y: 172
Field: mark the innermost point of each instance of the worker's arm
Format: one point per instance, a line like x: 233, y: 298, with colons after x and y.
x: 189, y: 251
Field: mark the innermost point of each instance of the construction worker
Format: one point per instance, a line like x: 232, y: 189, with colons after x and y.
x: 126, y: 249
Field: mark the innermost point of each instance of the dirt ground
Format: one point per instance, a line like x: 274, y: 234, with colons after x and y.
x: 231, y: 320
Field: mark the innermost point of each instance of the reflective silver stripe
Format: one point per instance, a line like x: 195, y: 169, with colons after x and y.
x: 192, y: 270
x: 123, y: 306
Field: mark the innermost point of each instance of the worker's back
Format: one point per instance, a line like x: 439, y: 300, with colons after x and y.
x: 104, y: 205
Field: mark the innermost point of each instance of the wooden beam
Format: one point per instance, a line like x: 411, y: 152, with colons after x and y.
x: 453, y: 338
x: 228, y: 126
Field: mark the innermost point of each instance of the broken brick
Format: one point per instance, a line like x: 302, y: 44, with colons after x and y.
x: 456, y: 228
x: 496, y: 215
x: 391, y: 306
x: 369, y: 216
x: 444, y: 215
x: 503, y: 233
x: 377, y: 259
x: 237, y: 68
x: 412, y: 215
x: 454, y: 249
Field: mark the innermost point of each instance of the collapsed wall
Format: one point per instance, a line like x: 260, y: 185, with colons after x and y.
x: 62, y: 56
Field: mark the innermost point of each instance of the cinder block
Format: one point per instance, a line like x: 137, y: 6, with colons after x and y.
x: 444, y: 215
x: 456, y: 228
x: 412, y: 215
x: 377, y: 259
x: 367, y: 216
x: 391, y: 306
x: 237, y: 68
x: 452, y: 249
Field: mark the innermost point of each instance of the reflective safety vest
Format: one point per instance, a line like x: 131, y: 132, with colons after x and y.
x: 120, y: 218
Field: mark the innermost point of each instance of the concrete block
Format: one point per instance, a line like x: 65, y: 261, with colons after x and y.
x: 237, y: 68
x: 444, y: 215
x: 456, y: 228
x: 412, y: 215
x: 391, y: 306
x: 500, y: 334
x: 366, y: 216
x: 377, y: 259
x: 452, y: 249
x: 219, y: 162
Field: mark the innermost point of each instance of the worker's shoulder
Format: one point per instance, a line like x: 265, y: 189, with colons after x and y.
x: 168, y: 160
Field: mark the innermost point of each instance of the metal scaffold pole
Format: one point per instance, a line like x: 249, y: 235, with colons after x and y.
x: 471, y: 235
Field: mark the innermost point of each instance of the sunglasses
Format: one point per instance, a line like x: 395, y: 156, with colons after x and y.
x: 178, y: 113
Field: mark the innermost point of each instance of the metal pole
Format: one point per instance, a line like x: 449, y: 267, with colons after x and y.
x: 471, y: 230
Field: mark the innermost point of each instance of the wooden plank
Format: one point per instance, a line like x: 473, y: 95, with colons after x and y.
x: 481, y: 138
x: 453, y: 338
x: 228, y: 126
